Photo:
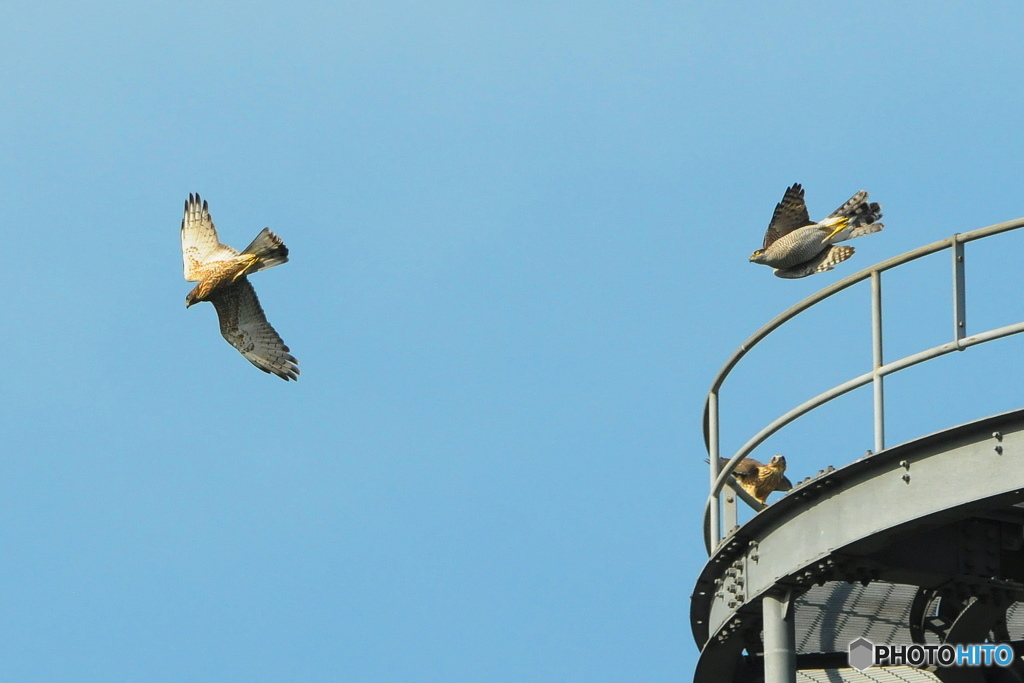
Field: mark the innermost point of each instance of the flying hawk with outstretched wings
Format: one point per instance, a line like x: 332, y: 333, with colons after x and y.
x: 222, y: 276
x: 795, y: 246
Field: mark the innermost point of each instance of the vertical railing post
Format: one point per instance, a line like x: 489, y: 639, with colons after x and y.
x: 959, y: 291
x: 877, y: 359
x: 715, y: 533
x: 730, y: 515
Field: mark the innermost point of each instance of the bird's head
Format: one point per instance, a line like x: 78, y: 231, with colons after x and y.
x: 757, y: 256
x: 200, y: 292
x: 778, y: 461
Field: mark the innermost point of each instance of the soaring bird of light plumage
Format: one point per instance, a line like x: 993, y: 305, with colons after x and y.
x: 221, y: 273
x: 758, y: 479
x: 795, y: 246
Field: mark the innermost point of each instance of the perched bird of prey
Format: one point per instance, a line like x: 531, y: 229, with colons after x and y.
x: 221, y: 273
x: 795, y: 246
x: 758, y: 479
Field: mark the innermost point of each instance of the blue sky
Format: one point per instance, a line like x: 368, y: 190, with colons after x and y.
x: 519, y: 237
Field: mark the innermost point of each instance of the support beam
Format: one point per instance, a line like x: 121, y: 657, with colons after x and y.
x: 779, y: 639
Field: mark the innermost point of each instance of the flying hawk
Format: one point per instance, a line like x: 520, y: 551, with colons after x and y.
x: 795, y: 246
x: 758, y: 479
x: 221, y: 273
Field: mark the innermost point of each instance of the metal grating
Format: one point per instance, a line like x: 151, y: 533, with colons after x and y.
x: 885, y: 674
x: 831, y: 616
x: 1015, y: 621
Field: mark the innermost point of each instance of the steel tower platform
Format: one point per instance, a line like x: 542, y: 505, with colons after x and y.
x: 918, y: 543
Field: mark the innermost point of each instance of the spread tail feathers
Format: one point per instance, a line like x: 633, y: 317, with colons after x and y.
x: 866, y: 230
x: 860, y: 216
x: 269, y: 248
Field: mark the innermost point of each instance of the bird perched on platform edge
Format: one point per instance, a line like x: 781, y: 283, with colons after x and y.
x: 795, y: 246
x: 221, y: 273
x: 758, y: 479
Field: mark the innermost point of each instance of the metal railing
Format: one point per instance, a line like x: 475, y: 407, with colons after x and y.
x: 720, y: 476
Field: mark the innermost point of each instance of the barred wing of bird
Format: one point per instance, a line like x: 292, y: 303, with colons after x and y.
x: 795, y: 246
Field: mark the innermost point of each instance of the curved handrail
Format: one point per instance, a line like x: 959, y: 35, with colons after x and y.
x: 960, y: 342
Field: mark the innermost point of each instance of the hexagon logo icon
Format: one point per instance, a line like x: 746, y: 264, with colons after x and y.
x: 861, y: 654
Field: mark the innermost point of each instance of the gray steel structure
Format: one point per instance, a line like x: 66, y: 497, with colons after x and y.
x: 932, y: 563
